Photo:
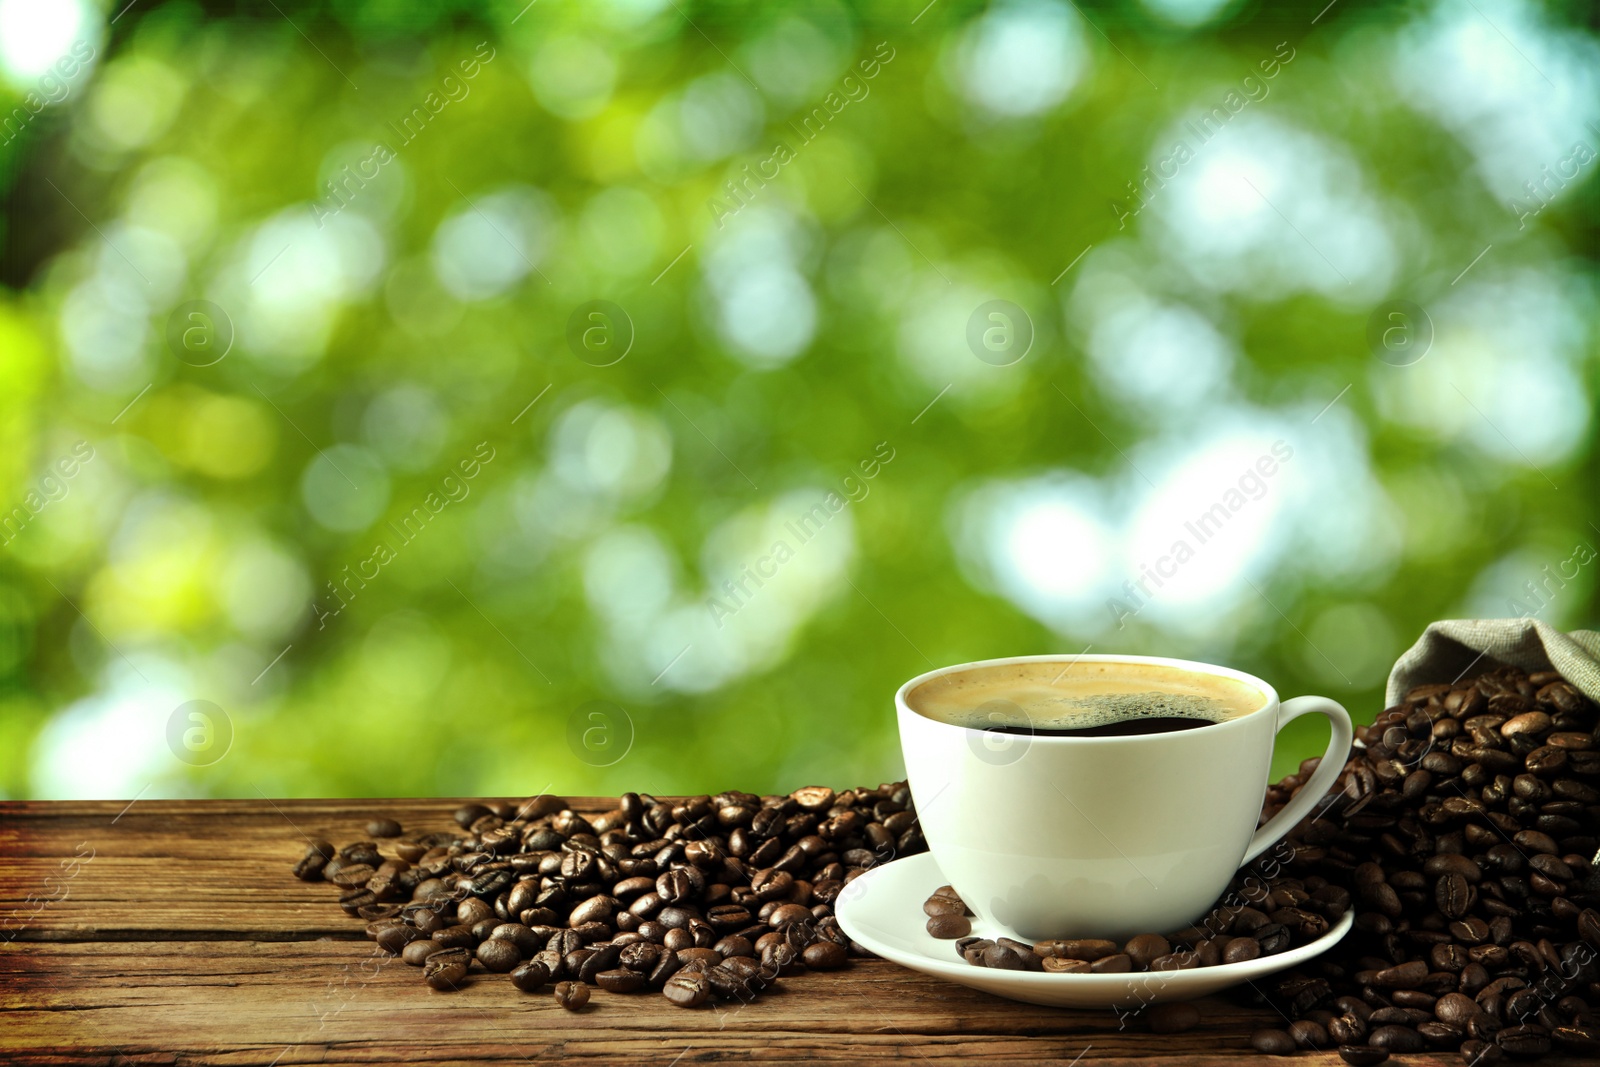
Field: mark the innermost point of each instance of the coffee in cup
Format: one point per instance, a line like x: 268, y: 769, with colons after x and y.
x: 1094, y: 699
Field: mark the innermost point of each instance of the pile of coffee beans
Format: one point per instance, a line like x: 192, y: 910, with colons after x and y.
x: 1466, y: 831
x: 1256, y: 917
x: 702, y: 899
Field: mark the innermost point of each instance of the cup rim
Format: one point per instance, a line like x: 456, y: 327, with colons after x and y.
x: 1197, y: 666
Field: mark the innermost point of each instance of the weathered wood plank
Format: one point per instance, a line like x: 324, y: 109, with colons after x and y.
x: 246, y: 1002
x: 185, y: 940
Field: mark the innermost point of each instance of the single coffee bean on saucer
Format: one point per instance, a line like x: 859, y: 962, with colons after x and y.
x: 1144, y: 948
x: 949, y: 927
x: 944, y: 901
x: 1004, y: 958
x: 1241, y: 950
x: 1076, y: 949
x: 1120, y: 963
x: 1057, y: 965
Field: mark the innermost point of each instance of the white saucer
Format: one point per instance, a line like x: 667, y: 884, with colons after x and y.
x: 882, y: 911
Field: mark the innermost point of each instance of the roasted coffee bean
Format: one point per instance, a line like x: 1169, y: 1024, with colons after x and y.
x: 1577, y: 1039
x: 1274, y: 938
x: 600, y: 958
x: 1448, y: 957
x: 948, y: 927
x: 361, y: 852
x: 1175, y: 961
x: 1273, y: 1042
x: 522, y: 936
x: 783, y: 959
x: 1249, y: 920
x: 665, y: 968
x: 1404, y: 975
x: 595, y: 909
x: 1441, y: 1035
x: 1058, y: 965
x: 352, y: 875
x: 499, y: 956
x: 311, y: 865
x: 1309, y: 1034
x: 455, y: 937
x: 1396, y: 1039
x: 1589, y: 926
x: 572, y: 995
x: 394, y: 938
x: 784, y: 914
x: 473, y: 910
x: 1144, y: 948
x: 944, y: 900
x: 825, y: 956
x: 1076, y: 949
x: 383, y: 828
x: 1454, y: 895
x: 708, y: 955
x: 1172, y: 1018
x: 1362, y: 1055
x: 417, y: 952
x: 446, y: 970
x: 1118, y: 963
x: 687, y: 990
x: 1456, y: 1009
x: 729, y: 983
x: 1347, y: 1029
x: 1415, y: 998
x: 641, y: 956
x: 530, y: 977
x: 1241, y: 950
x: 1452, y: 863
x: 565, y: 942
x: 619, y: 981
x: 734, y: 945
x: 1524, y: 1042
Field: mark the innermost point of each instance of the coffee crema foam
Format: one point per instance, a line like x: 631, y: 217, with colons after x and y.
x: 1073, y: 697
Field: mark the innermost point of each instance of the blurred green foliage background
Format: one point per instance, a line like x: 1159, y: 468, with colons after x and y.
x: 429, y: 388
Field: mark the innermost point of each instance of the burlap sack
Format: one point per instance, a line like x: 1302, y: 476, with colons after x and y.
x: 1464, y: 648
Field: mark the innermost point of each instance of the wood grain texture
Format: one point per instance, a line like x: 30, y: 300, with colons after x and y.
x: 185, y: 940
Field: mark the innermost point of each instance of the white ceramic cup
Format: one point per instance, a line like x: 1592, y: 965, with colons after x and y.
x: 1060, y: 836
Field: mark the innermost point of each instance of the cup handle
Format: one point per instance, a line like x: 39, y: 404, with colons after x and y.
x: 1331, y: 767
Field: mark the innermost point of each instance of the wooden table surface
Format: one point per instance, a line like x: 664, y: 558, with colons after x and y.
x: 172, y: 932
